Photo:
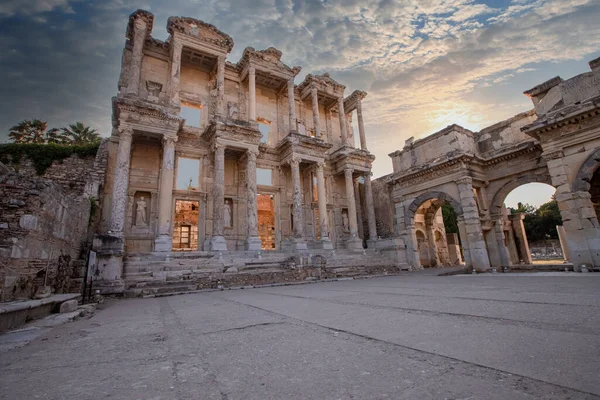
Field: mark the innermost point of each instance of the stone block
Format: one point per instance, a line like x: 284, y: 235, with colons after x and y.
x: 3, y: 225
x: 68, y: 306
x: 587, y: 212
x: 572, y: 225
x: 28, y: 222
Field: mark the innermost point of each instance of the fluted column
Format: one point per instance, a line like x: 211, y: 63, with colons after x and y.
x: 163, y: 241
x: 297, y: 211
x: 253, y: 241
x: 322, y: 205
x: 292, y: 105
x: 370, y: 206
x: 174, y: 74
x: 315, y: 110
x: 361, y: 126
x: 353, y: 242
x: 342, y: 121
x: 252, y: 90
x: 121, y: 182
x: 221, y: 85
x: 359, y: 209
x: 218, y: 242
x: 140, y: 27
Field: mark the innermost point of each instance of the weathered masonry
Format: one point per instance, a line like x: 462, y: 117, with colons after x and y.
x: 557, y: 143
x: 230, y: 165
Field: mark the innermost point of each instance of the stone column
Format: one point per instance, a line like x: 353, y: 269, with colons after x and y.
x: 563, y: 242
x: 174, y: 74
x: 297, y: 211
x: 140, y: 27
x: 252, y: 90
x: 359, y: 209
x: 434, y: 260
x: 163, y: 241
x: 121, y: 183
x: 361, y: 126
x: 322, y: 204
x: 292, y: 105
x: 370, y: 205
x: 502, y: 249
x: 315, y: 111
x: 218, y: 242
x: 473, y: 233
x: 221, y: 85
x: 353, y: 242
x: 253, y: 241
x: 342, y: 121
x: 521, y: 236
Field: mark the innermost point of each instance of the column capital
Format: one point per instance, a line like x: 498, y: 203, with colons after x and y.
x: 320, y: 165
x: 348, y: 171
x: 168, y: 140
x: 221, y: 59
x: 218, y: 146
x: 251, y: 70
x: 252, y: 154
x: 125, y: 132
x: 295, y: 160
x: 466, y: 180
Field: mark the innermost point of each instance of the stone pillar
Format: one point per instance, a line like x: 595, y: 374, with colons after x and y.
x: 140, y: 28
x: 474, y: 234
x: 342, y: 121
x: 325, y: 242
x: 252, y: 90
x: 174, y: 74
x: 121, y: 183
x: 253, y: 241
x: 370, y: 206
x: 297, y: 211
x: 500, y: 240
x: 221, y: 85
x: 353, y: 241
x: 163, y: 241
x: 361, y: 126
x: 434, y: 260
x: 315, y: 111
x: 563, y: 242
x: 359, y: 209
x: 521, y: 236
x: 218, y: 242
x: 292, y: 105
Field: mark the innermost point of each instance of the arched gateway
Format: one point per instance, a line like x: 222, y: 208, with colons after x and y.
x: 557, y: 143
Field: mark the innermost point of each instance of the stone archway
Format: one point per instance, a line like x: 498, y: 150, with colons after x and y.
x: 434, y: 195
x: 588, y: 179
x: 500, y: 196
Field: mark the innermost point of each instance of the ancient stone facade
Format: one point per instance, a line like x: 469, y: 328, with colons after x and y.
x: 45, y: 223
x: 266, y: 164
x: 557, y: 143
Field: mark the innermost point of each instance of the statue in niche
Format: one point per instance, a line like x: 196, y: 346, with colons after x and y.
x: 140, y: 212
x: 232, y: 110
x: 345, y: 221
x: 227, y: 214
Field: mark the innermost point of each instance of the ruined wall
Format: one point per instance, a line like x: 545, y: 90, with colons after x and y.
x: 504, y: 134
x: 42, y: 225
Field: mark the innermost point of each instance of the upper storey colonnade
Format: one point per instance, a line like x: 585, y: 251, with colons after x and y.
x: 203, y: 47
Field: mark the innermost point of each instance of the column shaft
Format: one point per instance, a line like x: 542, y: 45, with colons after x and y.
x: 253, y: 242
x: 361, y: 126
x: 252, y: 90
x: 351, y: 202
x: 342, y: 121
x: 359, y: 210
x: 218, y: 241
x: 473, y: 234
x: 502, y: 249
x: 322, y: 203
x: 292, y: 105
x: 121, y: 182
x: 163, y: 241
x: 221, y: 85
x: 174, y: 74
x: 521, y: 236
x: 315, y: 111
x: 137, y: 54
x: 298, y: 213
x: 370, y: 206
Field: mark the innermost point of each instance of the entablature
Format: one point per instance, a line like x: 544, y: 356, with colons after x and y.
x: 233, y: 133
x: 351, y: 102
x: 146, y: 117
x: 200, y: 33
x: 328, y: 90
x: 270, y: 71
x: 305, y: 147
x: 348, y: 157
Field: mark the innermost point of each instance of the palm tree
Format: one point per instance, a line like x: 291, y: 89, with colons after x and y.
x: 54, y: 135
x: 29, y: 131
x: 79, y: 134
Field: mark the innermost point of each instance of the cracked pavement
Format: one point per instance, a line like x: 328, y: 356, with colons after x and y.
x: 504, y: 336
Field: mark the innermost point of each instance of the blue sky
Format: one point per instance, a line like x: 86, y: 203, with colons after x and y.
x: 425, y: 63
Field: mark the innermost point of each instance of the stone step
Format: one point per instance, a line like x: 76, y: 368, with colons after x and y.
x: 16, y: 313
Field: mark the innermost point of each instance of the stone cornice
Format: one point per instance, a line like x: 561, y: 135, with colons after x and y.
x: 200, y: 30
x: 144, y: 15
x: 243, y: 132
x: 324, y: 84
x: 351, y: 102
x: 266, y: 60
x: 142, y: 115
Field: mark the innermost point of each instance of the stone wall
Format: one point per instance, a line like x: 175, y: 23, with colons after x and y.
x: 384, y: 209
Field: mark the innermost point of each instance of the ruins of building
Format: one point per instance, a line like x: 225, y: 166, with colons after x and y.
x: 227, y: 161
x: 557, y: 143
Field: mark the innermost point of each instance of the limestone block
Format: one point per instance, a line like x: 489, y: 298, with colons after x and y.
x: 567, y: 205
x: 572, y: 225
x: 558, y: 180
x: 555, y: 166
x: 568, y: 215
x: 28, y: 221
x: 587, y: 212
x: 68, y: 306
x: 3, y: 225
x: 561, y: 197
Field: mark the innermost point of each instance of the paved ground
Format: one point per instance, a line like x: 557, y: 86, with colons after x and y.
x: 408, y: 337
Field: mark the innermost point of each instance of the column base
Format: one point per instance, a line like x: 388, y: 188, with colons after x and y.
x: 299, y: 244
x: 372, y: 243
x: 324, y: 244
x: 163, y: 243
x: 218, y: 243
x: 253, y: 243
x: 354, y: 243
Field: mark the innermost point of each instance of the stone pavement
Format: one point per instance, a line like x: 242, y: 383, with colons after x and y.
x: 504, y: 336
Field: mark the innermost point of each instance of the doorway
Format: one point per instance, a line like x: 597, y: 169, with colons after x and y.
x: 266, y: 221
x: 185, y: 228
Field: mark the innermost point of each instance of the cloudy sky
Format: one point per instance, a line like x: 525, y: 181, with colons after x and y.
x: 425, y: 63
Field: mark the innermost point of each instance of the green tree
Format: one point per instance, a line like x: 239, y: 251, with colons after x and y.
x: 540, y: 223
x: 80, y: 134
x: 450, y: 219
x: 30, y: 131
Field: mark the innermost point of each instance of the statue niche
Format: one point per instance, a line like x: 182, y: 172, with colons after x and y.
x: 141, y: 208
x: 228, y: 213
